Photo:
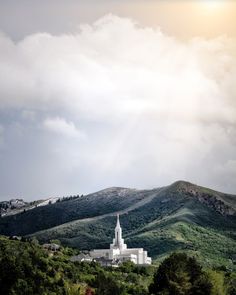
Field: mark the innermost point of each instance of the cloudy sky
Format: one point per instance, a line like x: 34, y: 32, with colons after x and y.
x: 116, y: 93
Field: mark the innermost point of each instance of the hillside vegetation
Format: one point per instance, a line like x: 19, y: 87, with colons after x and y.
x: 178, y: 217
x: 27, y: 268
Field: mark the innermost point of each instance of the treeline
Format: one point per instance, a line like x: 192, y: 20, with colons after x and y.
x: 26, y: 268
x: 63, y: 199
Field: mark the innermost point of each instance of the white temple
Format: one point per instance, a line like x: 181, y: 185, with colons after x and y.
x: 119, y: 251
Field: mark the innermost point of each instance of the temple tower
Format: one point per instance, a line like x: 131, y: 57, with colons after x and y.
x: 119, y: 252
x: 118, y: 242
x: 118, y: 233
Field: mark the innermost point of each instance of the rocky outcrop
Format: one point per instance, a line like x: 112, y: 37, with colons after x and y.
x: 212, y: 199
x: 14, y: 204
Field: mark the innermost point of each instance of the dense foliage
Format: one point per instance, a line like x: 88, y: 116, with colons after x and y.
x: 180, y: 275
x: 27, y: 268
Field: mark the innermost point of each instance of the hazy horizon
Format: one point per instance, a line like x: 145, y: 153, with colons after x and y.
x: 131, y: 93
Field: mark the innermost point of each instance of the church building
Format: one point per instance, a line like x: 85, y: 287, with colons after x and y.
x: 119, y: 251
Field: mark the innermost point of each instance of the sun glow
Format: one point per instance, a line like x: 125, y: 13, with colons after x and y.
x: 213, y: 4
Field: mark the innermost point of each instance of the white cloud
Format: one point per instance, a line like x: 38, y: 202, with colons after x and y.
x: 61, y: 126
x: 116, y: 66
x: 156, y: 109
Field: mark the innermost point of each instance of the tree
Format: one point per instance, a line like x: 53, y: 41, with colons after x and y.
x: 127, y: 266
x: 218, y: 282
x: 231, y: 283
x: 180, y: 275
x: 107, y: 285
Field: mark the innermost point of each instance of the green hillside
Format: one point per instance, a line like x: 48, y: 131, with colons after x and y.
x: 181, y: 216
x: 43, y: 217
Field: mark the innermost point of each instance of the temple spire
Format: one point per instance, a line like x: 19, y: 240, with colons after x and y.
x: 118, y: 233
x: 118, y: 221
x: 118, y: 242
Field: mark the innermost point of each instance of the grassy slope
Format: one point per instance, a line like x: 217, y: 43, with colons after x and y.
x: 170, y: 221
x: 103, y: 202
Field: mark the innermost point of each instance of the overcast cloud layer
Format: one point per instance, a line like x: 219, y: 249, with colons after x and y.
x: 115, y: 104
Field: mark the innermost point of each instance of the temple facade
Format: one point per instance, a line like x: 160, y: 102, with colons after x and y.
x: 119, y: 251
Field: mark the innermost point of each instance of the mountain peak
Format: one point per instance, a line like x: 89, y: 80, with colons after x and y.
x: 221, y: 203
x: 182, y: 185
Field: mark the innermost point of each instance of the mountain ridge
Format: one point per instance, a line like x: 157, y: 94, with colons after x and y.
x: 178, y: 216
